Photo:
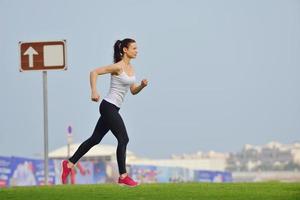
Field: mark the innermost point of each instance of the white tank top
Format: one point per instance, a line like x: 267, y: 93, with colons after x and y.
x: 119, y: 85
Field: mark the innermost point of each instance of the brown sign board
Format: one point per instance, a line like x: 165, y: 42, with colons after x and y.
x: 48, y: 55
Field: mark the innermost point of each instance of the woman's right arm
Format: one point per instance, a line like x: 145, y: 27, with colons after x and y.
x: 99, y: 71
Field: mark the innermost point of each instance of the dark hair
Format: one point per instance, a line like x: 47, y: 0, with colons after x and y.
x: 118, y: 48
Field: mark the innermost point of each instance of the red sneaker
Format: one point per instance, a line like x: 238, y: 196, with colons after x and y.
x: 65, y: 171
x: 127, y: 181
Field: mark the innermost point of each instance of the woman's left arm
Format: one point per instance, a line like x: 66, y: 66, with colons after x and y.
x: 135, y: 88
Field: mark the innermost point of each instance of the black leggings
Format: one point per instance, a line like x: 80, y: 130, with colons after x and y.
x: 110, y: 119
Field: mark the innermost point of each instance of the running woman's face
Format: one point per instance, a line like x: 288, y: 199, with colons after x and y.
x: 131, y: 51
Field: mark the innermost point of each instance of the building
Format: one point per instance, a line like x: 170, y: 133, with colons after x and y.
x: 102, y: 152
x: 268, y: 157
x: 198, y: 161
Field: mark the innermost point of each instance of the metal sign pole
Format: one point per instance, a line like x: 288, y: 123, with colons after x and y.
x: 45, y: 97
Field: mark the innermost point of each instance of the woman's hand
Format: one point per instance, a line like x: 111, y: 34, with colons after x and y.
x: 144, y: 83
x: 95, y: 96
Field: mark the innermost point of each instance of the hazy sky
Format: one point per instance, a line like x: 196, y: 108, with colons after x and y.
x: 221, y: 73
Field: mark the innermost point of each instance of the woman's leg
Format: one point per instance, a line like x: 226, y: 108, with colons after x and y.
x: 118, y: 128
x: 115, y: 122
x: 113, y: 119
x: 99, y: 132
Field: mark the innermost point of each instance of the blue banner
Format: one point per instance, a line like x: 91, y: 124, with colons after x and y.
x: 99, y: 172
x: 84, y: 171
x: 212, y: 176
x: 144, y: 173
x: 30, y: 172
x: 18, y: 171
x: 5, y: 171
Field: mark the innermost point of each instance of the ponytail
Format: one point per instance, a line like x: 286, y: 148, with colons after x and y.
x: 117, y: 51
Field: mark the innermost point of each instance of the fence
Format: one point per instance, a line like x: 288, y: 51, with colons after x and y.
x: 18, y: 171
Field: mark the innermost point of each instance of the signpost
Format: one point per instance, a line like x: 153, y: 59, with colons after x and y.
x: 43, y: 56
x: 69, y: 139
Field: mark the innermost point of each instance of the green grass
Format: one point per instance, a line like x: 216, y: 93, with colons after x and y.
x: 172, y: 191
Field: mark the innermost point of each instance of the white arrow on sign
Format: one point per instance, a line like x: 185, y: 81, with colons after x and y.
x: 30, y: 52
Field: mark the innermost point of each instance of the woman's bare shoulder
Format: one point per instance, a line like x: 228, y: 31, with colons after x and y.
x: 117, y: 68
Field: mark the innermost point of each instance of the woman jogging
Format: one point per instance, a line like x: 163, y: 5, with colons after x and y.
x: 122, y: 78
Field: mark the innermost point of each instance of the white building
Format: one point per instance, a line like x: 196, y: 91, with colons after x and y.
x: 201, y: 161
x: 271, y: 156
x: 198, y: 161
x: 99, y: 152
